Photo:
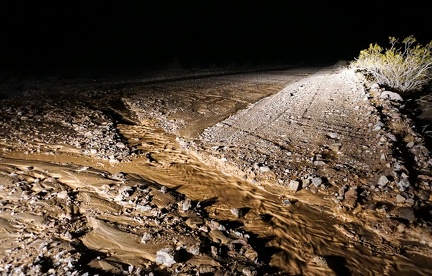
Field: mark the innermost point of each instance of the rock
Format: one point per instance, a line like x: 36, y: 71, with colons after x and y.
x: 382, y: 181
x: 319, y: 163
x: 286, y: 202
x: 403, y: 184
x: 424, y: 194
x: 264, y: 169
x: 294, y: 185
x: 186, y: 204
x: 306, y: 182
x: 249, y: 271
x: 146, y: 237
x: 206, y: 269
x: 317, y: 181
x: 333, y: 135
x: 392, y: 137
x: 251, y: 254
x: 194, y: 222
x: 319, y: 260
x: 235, y: 212
x: 165, y: 257
x: 351, y: 197
x: 341, y: 192
x: 406, y: 213
x: 375, y: 86
x: 335, y: 147
x: 62, y: 194
x: 194, y: 249
x: 400, y: 199
x: 392, y: 96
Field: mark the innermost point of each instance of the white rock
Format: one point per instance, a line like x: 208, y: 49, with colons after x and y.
x: 316, y: 181
x: 264, y: 169
x: 187, y: 204
x: 400, y: 199
x: 389, y: 95
x: 382, y: 181
x: 294, y: 185
x: 165, y: 257
x: 404, y: 183
x: 333, y: 135
x: 62, y: 194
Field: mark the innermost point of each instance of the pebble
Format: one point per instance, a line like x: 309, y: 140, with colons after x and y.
x: 333, y: 135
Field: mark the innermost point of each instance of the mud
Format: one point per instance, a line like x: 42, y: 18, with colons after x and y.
x: 159, y: 176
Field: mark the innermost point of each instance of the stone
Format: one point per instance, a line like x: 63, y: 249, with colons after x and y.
x: 235, y: 212
x: 294, y: 185
x: 403, y: 183
x: 335, y: 147
x: 62, y: 194
x: 306, y: 182
x: 424, y: 194
x: 319, y: 260
x: 319, y: 163
x: 392, y: 96
x: 264, y: 169
x: 375, y: 86
x: 406, y: 213
x: 382, y: 181
x: 333, y: 135
x: 351, y: 197
x: 146, y: 237
x: 186, y: 204
x: 249, y: 271
x: 400, y: 199
x: 194, y: 249
x: 165, y: 257
x: 194, y: 222
x: 392, y: 137
x: 317, y: 181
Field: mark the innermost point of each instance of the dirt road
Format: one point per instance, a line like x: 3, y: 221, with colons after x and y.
x: 276, y: 172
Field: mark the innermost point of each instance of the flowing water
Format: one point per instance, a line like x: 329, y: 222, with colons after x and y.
x: 298, y: 237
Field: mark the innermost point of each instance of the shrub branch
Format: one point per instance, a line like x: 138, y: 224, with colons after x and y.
x: 406, y: 67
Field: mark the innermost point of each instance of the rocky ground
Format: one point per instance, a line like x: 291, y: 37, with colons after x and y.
x: 284, y: 172
x: 350, y: 143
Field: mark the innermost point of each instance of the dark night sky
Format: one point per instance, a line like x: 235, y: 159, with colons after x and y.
x: 55, y: 37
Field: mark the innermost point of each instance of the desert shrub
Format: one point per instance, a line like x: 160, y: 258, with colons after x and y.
x: 404, y: 67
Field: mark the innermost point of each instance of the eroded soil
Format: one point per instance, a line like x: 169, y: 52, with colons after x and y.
x: 290, y: 172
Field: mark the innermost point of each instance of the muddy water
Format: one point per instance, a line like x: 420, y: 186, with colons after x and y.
x: 300, y: 235
x: 297, y: 232
x: 301, y: 238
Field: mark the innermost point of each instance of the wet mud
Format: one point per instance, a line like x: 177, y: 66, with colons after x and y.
x: 104, y: 180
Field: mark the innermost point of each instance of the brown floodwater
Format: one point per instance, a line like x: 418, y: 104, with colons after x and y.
x: 298, y: 232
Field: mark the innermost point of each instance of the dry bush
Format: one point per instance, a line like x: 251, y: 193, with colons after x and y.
x: 405, y: 68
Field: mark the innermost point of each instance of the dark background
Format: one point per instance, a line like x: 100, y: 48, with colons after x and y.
x: 72, y: 38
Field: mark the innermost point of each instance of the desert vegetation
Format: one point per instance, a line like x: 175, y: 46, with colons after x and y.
x: 404, y: 66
